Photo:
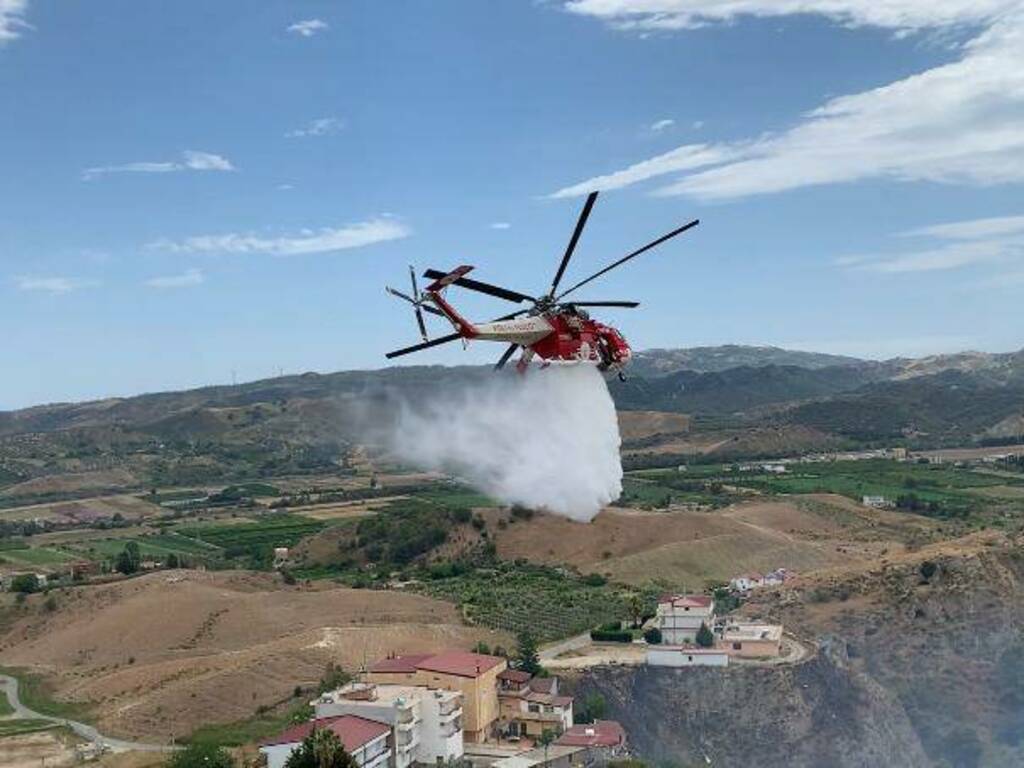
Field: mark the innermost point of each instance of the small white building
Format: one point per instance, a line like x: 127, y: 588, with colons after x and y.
x: 679, y: 617
x: 876, y: 502
x: 427, y: 722
x: 368, y: 742
x: 681, y: 656
x: 747, y: 581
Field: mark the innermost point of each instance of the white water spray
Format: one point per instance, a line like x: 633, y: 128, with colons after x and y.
x: 548, y: 440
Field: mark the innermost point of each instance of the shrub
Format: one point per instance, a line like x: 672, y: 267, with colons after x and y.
x: 928, y: 569
x: 594, y: 580
x: 653, y: 636
x: 609, y: 636
x: 705, y: 638
x: 25, y: 583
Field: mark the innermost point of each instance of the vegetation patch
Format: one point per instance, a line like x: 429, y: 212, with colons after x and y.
x: 36, y: 693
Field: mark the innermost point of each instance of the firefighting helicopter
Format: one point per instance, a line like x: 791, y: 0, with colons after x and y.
x: 552, y: 329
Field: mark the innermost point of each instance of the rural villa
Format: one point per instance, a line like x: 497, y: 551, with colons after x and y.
x: 680, y: 618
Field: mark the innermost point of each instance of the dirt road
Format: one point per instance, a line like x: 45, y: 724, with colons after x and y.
x: 9, y: 686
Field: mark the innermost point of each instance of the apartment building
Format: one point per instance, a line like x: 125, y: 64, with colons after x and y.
x: 426, y: 723
x: 474, y: 675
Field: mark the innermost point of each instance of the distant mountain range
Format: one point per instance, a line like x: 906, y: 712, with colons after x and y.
x: 294, y: 422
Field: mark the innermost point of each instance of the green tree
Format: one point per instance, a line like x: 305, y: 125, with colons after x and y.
x: 25, y: 583
x: 546, y: 739
x: 705, y: 638
x: 334, y: 677
x: 321, y: 749
x: 201, y: 756
x: 483, y: 648
x: 129, y: 560
x: 593, y: 707
x: 527, y: 658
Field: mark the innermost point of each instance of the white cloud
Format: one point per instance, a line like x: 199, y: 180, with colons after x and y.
x: 961, y: 244
x: 307, y: 241
x: 972, y: 228
x: 501, y: 225
x: 962, y: 122
x: 285, y: 187
x: 308, y: 27
x: 186, y: 279
x: 688, y: 14
x: 323, y: 126
x: 12, y: 19
x: 191, y: 160
x: 660, y: 125
x: 55, y: 286
x: 684, y: 158
x: 206, y: 161
x: 697, y: 125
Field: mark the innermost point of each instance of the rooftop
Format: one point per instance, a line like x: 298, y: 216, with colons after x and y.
x: 407, y: 663
x: 355, y: 732
x: 687, y: 601
x: 752, y: 631
x: 601, y: 733
x: 460, y: 663
x: 514, y: 675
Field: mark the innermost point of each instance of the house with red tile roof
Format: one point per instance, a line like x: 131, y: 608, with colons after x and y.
x: 602, y: 734
x: 530, y: 705
x: 369, y: 742
x: 474, y: 675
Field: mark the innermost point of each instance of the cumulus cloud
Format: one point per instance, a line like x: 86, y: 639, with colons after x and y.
x: 191, y: 160
x: 309, y: 27
x: 661, y: 125
x: 952, y: 245
x: 187, y: 279
x: 12, y: 19
x: 961, y: 122
x: 501, y: 225
x: 55, y: 286
x: 323, y: 126
x: 307, y: 241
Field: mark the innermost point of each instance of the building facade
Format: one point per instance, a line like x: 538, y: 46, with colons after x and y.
x: 679, y: 617
x: 531, y: 705
x: 426, y: 723
x: 368, y: 741
x: 474, y: 675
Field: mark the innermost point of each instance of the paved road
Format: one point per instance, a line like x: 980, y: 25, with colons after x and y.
x: 9, y: 686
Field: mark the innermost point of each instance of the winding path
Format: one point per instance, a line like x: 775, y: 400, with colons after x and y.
x: 9, y: 685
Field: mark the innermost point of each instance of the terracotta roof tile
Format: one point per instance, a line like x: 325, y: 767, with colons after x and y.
x: 355, y: 732
x: 602, y: 733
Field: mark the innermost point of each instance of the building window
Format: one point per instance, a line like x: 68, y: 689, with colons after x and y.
x: 737, y: 646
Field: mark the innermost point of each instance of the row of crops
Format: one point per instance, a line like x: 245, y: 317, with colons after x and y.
x: 546, y: 602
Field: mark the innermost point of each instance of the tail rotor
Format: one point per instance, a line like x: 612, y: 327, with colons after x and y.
x: 417, y: 301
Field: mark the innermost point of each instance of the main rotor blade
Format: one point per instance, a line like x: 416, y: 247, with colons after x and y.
x: 424, y: 345
x: 626, y: 304
x: 505, y: 357
x: 580, y: 223
x: 476, y: 285
x: 626, y: 258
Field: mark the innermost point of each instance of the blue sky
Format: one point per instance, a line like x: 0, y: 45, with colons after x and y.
x: 196, y: 191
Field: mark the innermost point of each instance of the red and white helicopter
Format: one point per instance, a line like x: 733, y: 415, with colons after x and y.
x: 552, y: 329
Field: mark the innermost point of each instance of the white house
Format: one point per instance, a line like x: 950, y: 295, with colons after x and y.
x: 677, y: 656
x: 747, y: 581
x: 876, y: 502
x: 368, y: 741
x: 679, y: 617
x: 427, y: 722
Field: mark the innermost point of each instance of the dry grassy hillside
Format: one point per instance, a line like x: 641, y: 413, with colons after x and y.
x: 167, y: 652
x: 689, y: 547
